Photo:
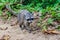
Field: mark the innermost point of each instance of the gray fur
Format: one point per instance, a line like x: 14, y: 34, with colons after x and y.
x: 24, y: 17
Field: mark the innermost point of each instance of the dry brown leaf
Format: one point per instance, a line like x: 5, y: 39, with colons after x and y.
x: 3, y: 27
x: 5, y: 37
x: 51, y: 32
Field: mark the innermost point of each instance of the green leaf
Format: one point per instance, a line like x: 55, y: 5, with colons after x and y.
x: 2, y: 5
x: 50, y: 20
x: 44, y: 28
x: 0, y: 12
x: 58, y: 27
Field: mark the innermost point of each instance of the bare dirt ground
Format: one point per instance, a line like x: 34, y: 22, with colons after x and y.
x: 15, y: 33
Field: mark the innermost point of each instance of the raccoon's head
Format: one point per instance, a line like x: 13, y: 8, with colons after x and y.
x: 29, y: 17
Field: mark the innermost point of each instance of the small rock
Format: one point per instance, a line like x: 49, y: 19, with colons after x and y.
x: 3, y: 27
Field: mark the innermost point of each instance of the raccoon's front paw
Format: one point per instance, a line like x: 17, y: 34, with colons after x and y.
x: 22, y: 27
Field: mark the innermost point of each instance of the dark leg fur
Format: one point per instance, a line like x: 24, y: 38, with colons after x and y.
x: 27, y: 27
x: 22, y: 27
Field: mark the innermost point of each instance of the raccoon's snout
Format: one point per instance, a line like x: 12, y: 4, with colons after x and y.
x: 30, y: 21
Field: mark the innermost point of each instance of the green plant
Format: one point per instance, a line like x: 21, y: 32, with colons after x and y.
x: 58, y: 16
x: 50, y: 20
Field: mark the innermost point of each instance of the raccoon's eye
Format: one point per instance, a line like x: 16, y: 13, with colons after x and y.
x: 37, y: 15
x: 28, y: 19
x: 32, y: 19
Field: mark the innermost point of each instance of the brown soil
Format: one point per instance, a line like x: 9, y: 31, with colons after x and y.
x: 15, y: 33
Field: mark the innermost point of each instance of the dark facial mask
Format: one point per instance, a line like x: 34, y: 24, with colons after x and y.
x: 29, y: 19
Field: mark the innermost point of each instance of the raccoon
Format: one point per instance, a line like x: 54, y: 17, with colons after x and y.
x: 24, y: 17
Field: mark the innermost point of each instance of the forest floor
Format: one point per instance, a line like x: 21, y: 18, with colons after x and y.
x: 15, y: 33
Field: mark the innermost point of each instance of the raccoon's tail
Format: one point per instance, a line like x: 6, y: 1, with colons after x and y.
x: 10, y: 10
